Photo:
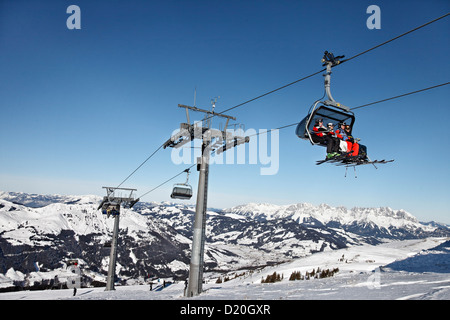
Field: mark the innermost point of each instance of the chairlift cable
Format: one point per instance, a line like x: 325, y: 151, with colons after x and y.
x: 154, y: 152
x: 304, y: 78
x: 364, y: 105
x: 320, y: 71
x: 270, y: 92
x: 166, y: 181
x: 395, y: 38
x: 401, y: 95
x: 284, y: 127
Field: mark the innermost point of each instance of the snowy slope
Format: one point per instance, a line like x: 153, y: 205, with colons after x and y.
x: 155, y: 237
x: 368, y: 272
x: 46, y: 237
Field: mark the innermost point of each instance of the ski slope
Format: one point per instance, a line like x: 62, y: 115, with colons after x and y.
x: 397, y: 270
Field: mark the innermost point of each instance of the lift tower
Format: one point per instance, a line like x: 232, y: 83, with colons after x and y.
x: 212, y: 140
x: 110, y: 206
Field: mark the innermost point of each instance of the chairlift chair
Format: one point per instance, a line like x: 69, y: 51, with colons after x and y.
x: 111, y: 208
x: 182, y: 191
x: 333, y: 112
x: 329, y: 110
x: 72, y: 262
x: 328, y: 113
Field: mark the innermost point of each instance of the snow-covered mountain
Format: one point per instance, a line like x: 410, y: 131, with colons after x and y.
x: 305, y: 212
x: 381, y: 222
x: 40, y: 233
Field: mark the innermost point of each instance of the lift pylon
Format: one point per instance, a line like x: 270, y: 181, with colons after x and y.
x: 212, y: 140
x: 110, y: 206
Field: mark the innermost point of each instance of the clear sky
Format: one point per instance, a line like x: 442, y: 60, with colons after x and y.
x: 82, y: 108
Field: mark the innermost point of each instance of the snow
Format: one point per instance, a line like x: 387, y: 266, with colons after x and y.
x: 82, y: 218
x: 177, y: 265
x: 408, y: 269
x: 401, y: 270
x: 383, y: 217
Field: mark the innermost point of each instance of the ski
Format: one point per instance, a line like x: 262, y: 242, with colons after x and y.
x: 363, y: 162
x: 351, y: 161
x: 338, y: 158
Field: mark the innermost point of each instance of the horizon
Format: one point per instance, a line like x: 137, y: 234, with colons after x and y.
x: 225, y: 208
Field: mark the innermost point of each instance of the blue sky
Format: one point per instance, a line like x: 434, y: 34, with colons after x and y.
x: 81, y: 109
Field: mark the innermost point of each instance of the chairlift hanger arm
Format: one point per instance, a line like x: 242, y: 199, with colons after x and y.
x: 187, y: 175
x: 330, y: 61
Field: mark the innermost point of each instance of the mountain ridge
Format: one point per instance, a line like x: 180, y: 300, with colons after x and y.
x: 155, y: 238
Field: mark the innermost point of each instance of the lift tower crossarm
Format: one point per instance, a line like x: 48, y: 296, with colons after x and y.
x: 206, y: 111
x: 189, y: 132
x: 110, y: 198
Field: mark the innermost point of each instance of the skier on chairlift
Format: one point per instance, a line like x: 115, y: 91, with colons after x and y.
x: 321, y: 136
x: 347, y: 142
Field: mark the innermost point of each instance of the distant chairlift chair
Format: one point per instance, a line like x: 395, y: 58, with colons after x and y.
x: 182, y: 191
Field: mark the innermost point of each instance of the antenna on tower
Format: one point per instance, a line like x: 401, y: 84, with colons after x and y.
x: 195, y: 96
x: 213, y: 103
x: 213, y: 106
